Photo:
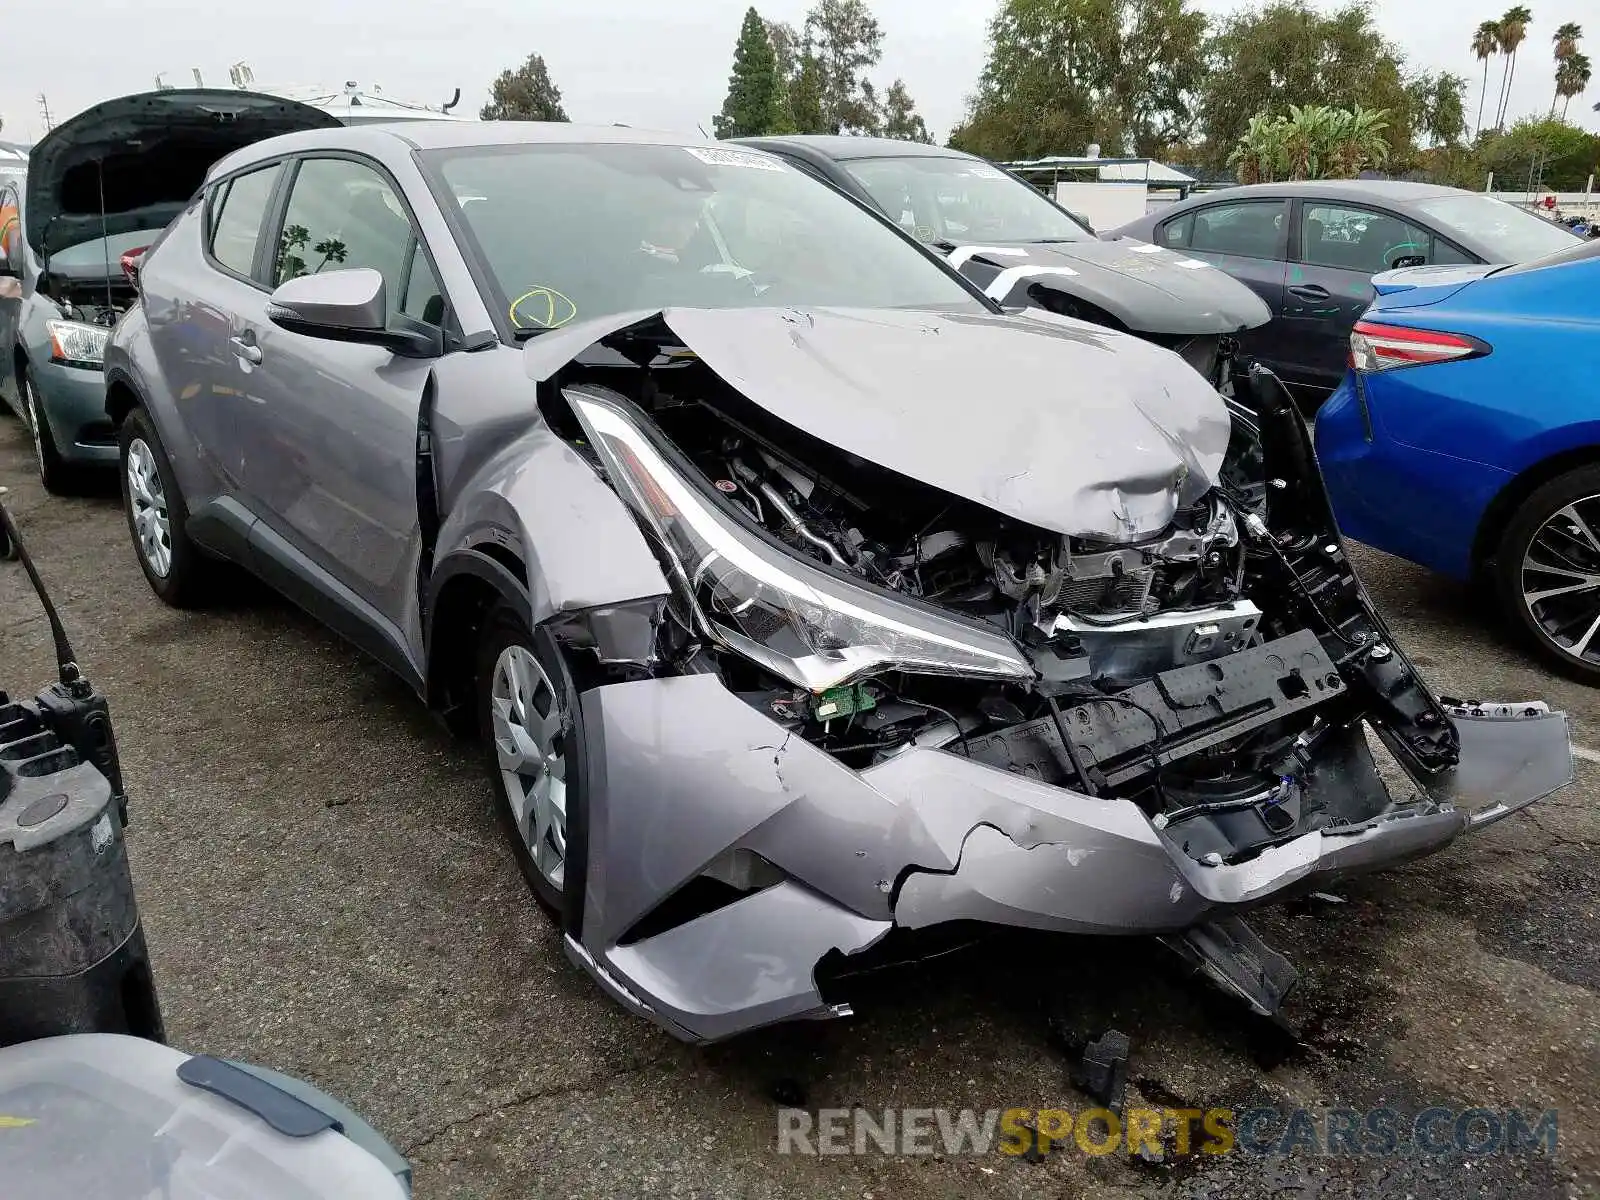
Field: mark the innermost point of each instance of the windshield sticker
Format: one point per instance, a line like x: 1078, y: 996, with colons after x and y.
x: 982, y: 172
x: 734, y: 158
x: 542, y: 308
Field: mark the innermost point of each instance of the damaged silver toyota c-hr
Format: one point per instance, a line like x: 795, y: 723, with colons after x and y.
x: 801, y: 595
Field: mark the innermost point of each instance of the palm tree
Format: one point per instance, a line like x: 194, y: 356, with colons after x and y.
x: 1566, y: 40
x: 1513, y: 32
x: 1485, y: 45
x: 1572, y: 78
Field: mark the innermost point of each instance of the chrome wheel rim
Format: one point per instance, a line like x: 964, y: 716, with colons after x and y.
x: 147, y: 505
x: 1561, y: 579
x: 32, y: 407
x: 530, y: 744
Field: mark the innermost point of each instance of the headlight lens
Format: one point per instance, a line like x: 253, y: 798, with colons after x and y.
x: 797, y: 620
x: 77, y: 344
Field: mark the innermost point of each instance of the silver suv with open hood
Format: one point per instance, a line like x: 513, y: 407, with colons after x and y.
x: 802, y: 598
x: 99, y: 189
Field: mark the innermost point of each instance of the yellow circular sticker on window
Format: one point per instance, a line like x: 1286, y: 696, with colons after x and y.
x: 542, y: 308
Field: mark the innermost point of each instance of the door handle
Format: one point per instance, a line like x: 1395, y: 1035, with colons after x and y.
x: 1310, y: 291
x: 248, y: 351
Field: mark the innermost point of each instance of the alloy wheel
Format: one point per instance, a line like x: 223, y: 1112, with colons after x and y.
x: 1561, y: 579
x: 530, y: 745
x: 147, y: 501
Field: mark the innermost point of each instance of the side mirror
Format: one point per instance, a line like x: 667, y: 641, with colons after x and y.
x: 350, y: 306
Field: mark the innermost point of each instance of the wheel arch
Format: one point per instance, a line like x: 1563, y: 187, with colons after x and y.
x: 463, y: 589
x: 121, y: 399
x: 1497, y: 516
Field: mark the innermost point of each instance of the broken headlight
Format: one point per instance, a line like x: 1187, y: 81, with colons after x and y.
x: 798, y: 620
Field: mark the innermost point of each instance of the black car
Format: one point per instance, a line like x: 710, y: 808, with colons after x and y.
x: 1311, y: 248
x: 1022, y: 249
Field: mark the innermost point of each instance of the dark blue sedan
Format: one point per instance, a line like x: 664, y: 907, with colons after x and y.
x: 1466, y: 437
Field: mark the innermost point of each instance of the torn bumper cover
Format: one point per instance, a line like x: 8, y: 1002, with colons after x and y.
x: 681, y: 771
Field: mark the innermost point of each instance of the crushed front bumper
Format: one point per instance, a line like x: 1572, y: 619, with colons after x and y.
x: 680, y: 771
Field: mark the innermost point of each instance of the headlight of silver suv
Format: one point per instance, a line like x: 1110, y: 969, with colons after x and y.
x: 800, y: 621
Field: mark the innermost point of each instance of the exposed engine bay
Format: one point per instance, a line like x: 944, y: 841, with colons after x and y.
x: 1215, y: 673
x: 100, y: 304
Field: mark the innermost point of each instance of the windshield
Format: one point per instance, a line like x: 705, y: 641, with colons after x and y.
x: 946, y: 199
x: 573, y: 231
x: 1506, y: 233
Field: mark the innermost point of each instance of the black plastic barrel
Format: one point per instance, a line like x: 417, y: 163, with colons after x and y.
x: 72, y: 951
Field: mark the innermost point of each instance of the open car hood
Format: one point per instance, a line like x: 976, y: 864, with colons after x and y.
x: 143, y: 156
x: 1146, y: 287
x: 1066, y: 426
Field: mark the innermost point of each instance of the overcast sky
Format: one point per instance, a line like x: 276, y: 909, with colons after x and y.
x: 641, y: 62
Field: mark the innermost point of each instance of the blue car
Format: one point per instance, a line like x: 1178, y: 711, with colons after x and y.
x: 1466, y: 437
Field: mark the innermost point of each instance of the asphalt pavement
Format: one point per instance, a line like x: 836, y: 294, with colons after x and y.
x: 325, y: 891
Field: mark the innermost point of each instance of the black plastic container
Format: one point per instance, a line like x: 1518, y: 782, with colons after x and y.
x: 72, y: 952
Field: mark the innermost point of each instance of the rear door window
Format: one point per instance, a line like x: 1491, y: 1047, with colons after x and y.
x: 237, y: 211
x: 1244, y: 228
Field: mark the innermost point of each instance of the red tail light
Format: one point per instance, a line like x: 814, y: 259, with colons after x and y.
x: 130, y: 264
x: 1375, y: 347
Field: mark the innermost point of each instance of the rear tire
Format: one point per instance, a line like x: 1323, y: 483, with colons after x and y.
x: 178, y: 571
x: 58, y: 476
x: 532, y: 735
x: 1547, y: 573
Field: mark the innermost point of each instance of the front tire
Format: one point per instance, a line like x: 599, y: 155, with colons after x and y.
x: 1548, y: 572
x: 177, y: 570
x: 56, y: 474
x: 532, y: 735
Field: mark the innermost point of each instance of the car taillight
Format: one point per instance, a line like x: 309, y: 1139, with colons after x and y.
x: 1375, y: 347
x: 130, y: 264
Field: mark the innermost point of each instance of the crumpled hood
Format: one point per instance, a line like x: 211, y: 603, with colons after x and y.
x: 1148, y: 288
x: 1065, y: 426
x: 145, y: 155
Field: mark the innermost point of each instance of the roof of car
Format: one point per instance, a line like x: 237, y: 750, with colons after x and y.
x: 443, y: 135
x: 843, y: 146
x: 1390, y: 191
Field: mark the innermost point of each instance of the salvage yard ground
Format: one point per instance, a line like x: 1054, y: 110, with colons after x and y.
x: 324, y: 891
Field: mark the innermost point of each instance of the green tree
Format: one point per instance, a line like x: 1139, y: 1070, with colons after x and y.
x: 900, y: 116
x: 805, y: 96
x: 755, y: 104
x: 1263, y: 60
x: 845, y: 40
x: 1064, y: 73
x: 1512, y: 32
x: 1540, y: 152
x: 526, y: 94
x: 1485, y: 45
x: 1566, y: 40
x: 1438, y: 107
x: 1311, y: 142
x: 1572, y: 79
